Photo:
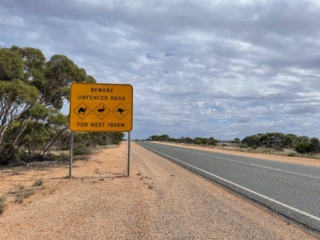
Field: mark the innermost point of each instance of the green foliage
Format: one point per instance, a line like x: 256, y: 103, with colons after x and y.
x: 203, y: 141
x: 154, y: 138
x: 236, y: 140
x: 59, y: 74
x: 275, y: 140
x: 197, y: 141
x: 253, y: 140
x: 33, y: 63
x: 11, y: 65
x: 278, y: 148
x: 57, y: 157
x: 15, y: 93
x: 243, y: 145
x: 292, y: 154
x: 310, y: 146
x: 278, y: 141
x: 164, y: 138
x: 32, y: 92
x: 314, y: 145
x: 98, y: 138
x: 213, y: 142
x: 81, y: 149
x: 303, y: 147
x: 23, y: 193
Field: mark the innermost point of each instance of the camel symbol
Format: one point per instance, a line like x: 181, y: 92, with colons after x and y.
x: 120, y: 110
x: 101, y: 110
x: 82, y: 110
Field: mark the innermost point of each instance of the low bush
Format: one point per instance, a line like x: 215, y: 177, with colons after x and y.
x: 292, y: 154
x: 243, y: 146
x: 59, y: 158
x: 23, y: 193
x: 81, y: 151
x: 303, y: 147
x: 23, y: 156
x: 38, y: 182
x: 278, y: 148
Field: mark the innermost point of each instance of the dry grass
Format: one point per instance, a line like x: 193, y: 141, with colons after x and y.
x: 38, y: 182
x: 23, y: 193
x: 2, y: 203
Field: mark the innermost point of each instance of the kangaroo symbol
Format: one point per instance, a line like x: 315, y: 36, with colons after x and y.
x: 82, y: 110
x: 120, y: 110
x: 101, y: 110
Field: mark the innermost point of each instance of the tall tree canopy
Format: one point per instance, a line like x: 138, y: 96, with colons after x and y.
x: 32, y: 93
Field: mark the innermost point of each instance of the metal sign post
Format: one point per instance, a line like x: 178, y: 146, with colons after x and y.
x: 71, y: 154
x: 128, y: 173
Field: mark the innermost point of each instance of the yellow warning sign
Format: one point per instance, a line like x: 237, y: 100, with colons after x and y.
x: 96, y: 107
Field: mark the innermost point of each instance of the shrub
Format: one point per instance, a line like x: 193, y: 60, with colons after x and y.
x: 278, y: 148
x: 292, y: 154
x: 53, y: 157
x: 38, y: 182
x: 23, y: 193
x: 302, y: 147
x: 23, y: 156
x: 254, y: 147
x: 311, y: 154
x: 81, y: 149
x: 243, y: 146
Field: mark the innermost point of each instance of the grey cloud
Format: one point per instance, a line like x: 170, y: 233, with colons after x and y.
x: 252, y: 66
x: 304, y: 110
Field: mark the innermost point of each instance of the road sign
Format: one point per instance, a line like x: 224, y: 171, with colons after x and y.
x: 96, y: 107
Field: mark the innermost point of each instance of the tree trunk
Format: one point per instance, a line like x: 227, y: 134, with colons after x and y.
x: 11, y: 150
x: 47, y: 147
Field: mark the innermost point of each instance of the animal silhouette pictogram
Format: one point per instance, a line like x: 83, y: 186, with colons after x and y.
x: 101, y: 110
x: 82, y: 110
x: 120, y: 110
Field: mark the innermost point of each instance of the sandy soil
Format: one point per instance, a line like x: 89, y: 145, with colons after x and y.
x: 160, y: 200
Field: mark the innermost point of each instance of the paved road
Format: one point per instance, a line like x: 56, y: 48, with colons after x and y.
x: 290, y: 189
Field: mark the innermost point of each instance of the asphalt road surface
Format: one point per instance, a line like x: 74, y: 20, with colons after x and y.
x: 289, y: 189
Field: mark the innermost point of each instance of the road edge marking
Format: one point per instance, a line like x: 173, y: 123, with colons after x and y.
x: 243, y: 188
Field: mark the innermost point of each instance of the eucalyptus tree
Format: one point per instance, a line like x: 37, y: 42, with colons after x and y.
x: 29, y: 88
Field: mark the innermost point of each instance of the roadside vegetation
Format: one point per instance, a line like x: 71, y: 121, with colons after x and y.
x: 32, y: 94
x: 2, y: 203
x: 268, y: 143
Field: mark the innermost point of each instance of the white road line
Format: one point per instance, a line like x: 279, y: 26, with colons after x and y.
x: 239, y: 186
x: 251, y: 164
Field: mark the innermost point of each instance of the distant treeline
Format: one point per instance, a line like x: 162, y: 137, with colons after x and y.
x: 278, y: 141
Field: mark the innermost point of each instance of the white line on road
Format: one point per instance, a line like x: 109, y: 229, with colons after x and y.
x: 251, y: 164
x: 244, y: 188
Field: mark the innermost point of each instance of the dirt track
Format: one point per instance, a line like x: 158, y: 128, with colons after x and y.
x: 160, y: 200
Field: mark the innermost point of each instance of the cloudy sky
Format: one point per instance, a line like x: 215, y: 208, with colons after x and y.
x: 207, y: 68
